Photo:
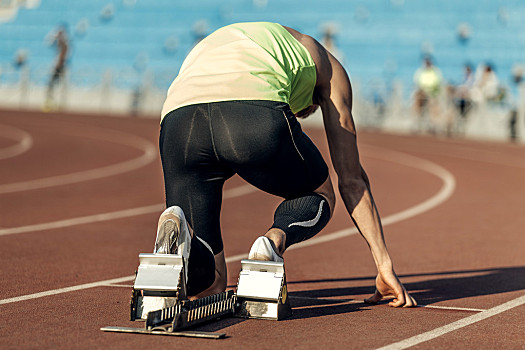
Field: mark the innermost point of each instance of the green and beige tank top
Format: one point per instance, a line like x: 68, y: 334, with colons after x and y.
x: 245, y: 61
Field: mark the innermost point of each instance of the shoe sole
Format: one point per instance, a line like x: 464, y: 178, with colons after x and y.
x: 259, y: 257
x: 167, y: 235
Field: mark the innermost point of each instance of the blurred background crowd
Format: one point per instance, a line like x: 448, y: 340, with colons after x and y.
x: 448, y: 68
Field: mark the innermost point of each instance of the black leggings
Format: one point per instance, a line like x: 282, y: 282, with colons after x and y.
x: 203, y: 145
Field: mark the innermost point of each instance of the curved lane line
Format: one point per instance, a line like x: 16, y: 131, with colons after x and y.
x: 120, y: 214
x: 396, y: 157
x: 443, y: 194
x: 65, y: 290
x: 24, y: 141
x: 149, y: 154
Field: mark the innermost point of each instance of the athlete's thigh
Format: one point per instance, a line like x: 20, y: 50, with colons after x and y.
x: 266, y: 146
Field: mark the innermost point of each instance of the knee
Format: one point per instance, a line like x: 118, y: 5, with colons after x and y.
x: 302, y: 218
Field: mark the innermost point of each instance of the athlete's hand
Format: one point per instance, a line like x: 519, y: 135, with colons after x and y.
x: 388, y: 285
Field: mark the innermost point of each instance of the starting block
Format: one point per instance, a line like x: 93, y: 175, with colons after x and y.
x: 160, y: 283
x: 159, y: 297
x: 262, y: 291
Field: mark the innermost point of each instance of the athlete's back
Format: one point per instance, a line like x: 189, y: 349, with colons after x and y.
x: 245, y: 61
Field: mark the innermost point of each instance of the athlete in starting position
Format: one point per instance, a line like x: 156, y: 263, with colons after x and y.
x: 233, y: 109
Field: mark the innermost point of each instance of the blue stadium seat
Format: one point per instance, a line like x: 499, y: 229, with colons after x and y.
x: 371, y: 33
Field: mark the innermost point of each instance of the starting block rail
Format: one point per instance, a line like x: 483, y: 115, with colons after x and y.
x: 191, y: 313
x: 191, y: 334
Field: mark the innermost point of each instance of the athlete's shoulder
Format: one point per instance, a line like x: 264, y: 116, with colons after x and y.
x: 322, y: 58
x: 306, y: 40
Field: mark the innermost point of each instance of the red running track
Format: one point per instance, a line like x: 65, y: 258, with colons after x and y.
x: 80, y: 196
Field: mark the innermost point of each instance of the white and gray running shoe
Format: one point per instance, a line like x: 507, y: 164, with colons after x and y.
x: 173, y: 234
x: 263, y: 250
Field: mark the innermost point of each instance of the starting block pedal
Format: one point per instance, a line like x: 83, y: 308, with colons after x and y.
x: 160, y: 283
x: 262, y: 291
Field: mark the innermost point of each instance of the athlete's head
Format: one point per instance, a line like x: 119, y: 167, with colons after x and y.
x: 306, y: 112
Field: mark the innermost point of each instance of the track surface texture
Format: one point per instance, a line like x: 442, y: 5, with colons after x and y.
x: 80, y: 197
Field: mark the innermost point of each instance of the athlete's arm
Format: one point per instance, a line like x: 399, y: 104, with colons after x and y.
x: 333, y: 92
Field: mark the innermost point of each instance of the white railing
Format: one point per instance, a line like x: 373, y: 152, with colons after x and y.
x: 129, y: 93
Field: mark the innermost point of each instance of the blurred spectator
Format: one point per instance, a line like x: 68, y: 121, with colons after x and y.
x: 107, y: 13
x: 428, y: 83
x: 20, y: 59
x: 486, y: 85
x: 464, y: 32
x: 517, y: 110
x: 61, y: 42
x: 329, y: 32
x: 200, y: 30
x: 462, y: 97
x: 464, y: 89
x: 450, y: 112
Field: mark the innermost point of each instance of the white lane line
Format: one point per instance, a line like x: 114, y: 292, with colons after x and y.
x: 65, y: 290
x: 105, y: 283
x: 84, y: 220
x: 467, y: 321
x: 149, y: 155
x: 415, y: 162
x: 118, y: 285
x: 24, y: 141
x: 120, y: 214
x: 452, y: 308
